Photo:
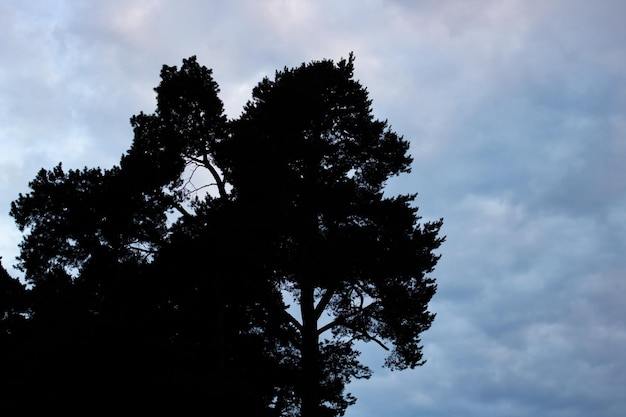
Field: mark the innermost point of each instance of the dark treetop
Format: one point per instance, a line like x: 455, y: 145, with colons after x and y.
x: 224, y: 262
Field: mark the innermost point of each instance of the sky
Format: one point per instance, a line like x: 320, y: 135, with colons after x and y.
x: 515, y: 111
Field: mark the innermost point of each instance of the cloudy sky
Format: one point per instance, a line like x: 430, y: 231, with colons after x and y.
x: 516, y: 112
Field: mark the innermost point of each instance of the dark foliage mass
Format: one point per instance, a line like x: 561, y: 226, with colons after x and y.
x: 224, y: 264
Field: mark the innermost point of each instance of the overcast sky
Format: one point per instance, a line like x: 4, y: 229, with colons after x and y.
x: 516, y: 115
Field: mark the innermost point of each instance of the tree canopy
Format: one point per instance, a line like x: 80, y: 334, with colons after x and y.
x: 233, y: 260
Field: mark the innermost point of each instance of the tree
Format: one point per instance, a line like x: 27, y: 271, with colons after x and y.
x: 71, y: 217
x: 12, y: 296
x: 219, y: 308
x: 309, y: 159
x: 297, y: 215
x: 107, y: 260
x: 13, y: 308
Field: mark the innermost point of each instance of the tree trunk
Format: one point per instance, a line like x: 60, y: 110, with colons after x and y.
x: 310, y: 354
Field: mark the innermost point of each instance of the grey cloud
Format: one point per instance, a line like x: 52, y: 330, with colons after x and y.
x: 515, y: 115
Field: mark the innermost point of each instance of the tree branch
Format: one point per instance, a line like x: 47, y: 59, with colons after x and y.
x: 321, y: 306
x: 149, y: 251
x: 182, y: 210
x: 293, y: 320
x: 329, y: 326
x: 220, y: 183
x: 361, y: 332
x: 195, y: 168
x: 378, y: 342
x: 207, y: 164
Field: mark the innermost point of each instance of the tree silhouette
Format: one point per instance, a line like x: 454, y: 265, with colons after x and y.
x: 309, y: 161
x: 236, y: 261
x: 110, y: 269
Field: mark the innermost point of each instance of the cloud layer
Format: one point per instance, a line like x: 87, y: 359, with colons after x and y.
x: 516, y: 115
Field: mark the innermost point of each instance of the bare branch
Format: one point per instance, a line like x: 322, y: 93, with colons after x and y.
x: 328, y: 326
x: 191, y: 175
x: 150, y: 251
x: 342, y: 321
x: 220, y: 182
x: 207, y: 164
x: 182, y: 210
x: 362, y: 333
x: 293, y: 320
x: 199, y: 162
x: 378, y: 342
x: 195, y: 190
x: 323, y: 303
